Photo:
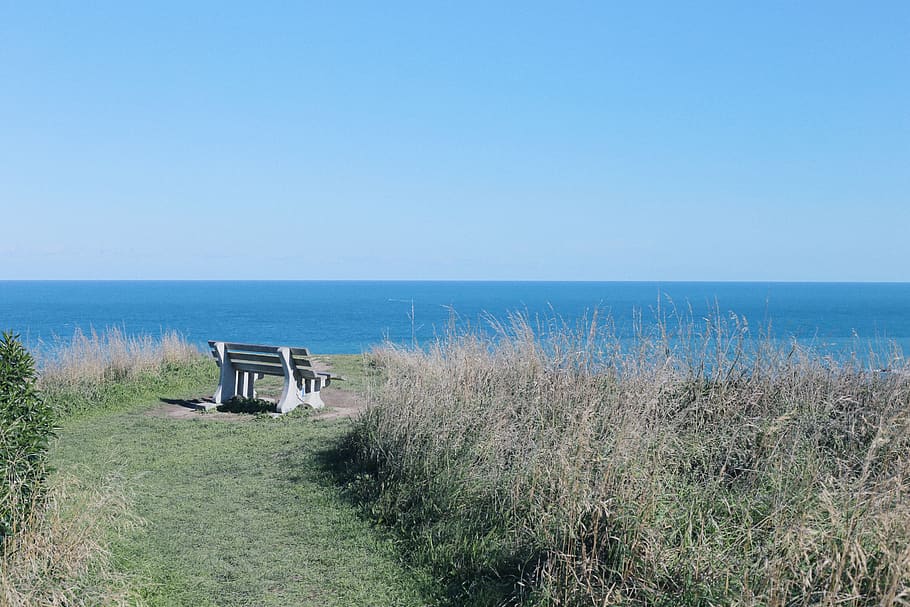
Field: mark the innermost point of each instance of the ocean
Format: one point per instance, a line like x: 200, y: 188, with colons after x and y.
x: 334, y: 317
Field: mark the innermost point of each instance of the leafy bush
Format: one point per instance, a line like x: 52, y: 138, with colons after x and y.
x: 26, y: 425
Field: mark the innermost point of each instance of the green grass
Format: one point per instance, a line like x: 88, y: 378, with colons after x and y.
x: 88, y: 397
x: 235, y: 512
x: 354, y: 368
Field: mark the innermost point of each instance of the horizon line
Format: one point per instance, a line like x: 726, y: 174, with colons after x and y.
x: 457, y: 280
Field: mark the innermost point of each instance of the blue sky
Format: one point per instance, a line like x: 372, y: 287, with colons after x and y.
x: 457, y: 140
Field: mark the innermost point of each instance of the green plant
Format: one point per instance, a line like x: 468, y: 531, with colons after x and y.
x: 240, y: 404
x: 26, y: 425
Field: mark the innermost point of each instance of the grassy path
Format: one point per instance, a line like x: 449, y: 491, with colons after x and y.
x: 238, y: 511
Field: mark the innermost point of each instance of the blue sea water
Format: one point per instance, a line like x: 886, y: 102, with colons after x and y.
x: 351, y: 316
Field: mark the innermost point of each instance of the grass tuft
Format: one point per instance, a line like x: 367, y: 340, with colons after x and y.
x: 113, y: 355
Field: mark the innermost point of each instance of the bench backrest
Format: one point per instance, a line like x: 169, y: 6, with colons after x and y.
x: 265, y: 359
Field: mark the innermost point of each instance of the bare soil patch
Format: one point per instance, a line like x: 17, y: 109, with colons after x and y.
x: 193, y: 408
x: 339, y: 404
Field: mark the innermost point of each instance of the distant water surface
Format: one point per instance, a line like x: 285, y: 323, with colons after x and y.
x: 351, y: 316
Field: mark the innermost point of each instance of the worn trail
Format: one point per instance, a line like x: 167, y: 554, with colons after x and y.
x: 238, y: 509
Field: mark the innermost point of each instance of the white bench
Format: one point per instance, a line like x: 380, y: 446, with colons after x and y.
x: 242, y: 364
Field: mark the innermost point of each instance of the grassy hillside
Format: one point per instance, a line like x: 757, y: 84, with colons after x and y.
x: 112, y: 372
x: 695, y: 467
x: 236, y: 510
x: 150, y: 508
x: 58, y: 556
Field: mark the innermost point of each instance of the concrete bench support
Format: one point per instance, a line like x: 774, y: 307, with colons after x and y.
x: 227, y: 381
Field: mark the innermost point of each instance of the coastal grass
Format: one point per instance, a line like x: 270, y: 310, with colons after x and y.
x: 58, y: 554
x: 111, y: 371
x: 697, y: 465
x: 233, y: 510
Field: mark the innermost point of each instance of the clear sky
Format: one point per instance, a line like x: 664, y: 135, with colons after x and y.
x: 458, y: 140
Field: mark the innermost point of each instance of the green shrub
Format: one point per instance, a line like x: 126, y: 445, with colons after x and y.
x: 26, y: 425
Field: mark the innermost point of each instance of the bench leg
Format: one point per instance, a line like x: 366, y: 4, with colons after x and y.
x: 290, y: 395
x: 227, y: 381
x: 312, y: 389
x: 245, y: 386
x: 256, y: 376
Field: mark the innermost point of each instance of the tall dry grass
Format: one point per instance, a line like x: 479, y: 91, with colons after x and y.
x: 695, y: 466
x: 56, y: 558
x: 102, y: 371
x: 112, y: 355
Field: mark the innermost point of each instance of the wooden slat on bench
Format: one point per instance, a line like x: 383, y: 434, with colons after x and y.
x: 258, y: 368
x: 268, y: 359
x: 232, y: 347
x: 308, y: 373
x: 246, y: 365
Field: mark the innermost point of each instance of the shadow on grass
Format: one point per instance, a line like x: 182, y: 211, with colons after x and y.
x: 251, y: 406
x: 189, y: 403
x: 477, y: 560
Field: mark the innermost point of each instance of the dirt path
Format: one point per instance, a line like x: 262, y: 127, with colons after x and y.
x: 339, y: 404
